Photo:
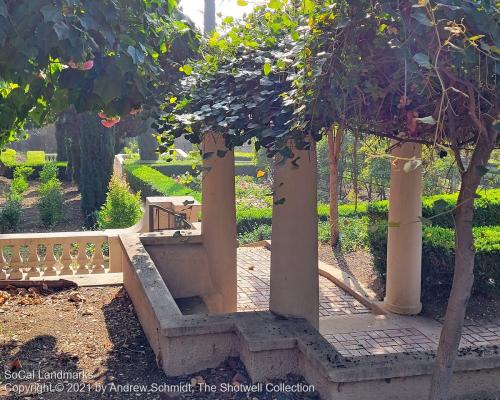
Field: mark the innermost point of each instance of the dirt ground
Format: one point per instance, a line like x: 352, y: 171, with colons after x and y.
x: 30, y: 216
x: 360, y: 265
x: 93, y: 335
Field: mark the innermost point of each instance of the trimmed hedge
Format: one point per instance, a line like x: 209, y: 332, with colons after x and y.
x: 250, y: 218
x: 35, y: 157
x: 8, y: 159
x: 151, y: 182
x: 438, y: 245
x: 245, y: 167
x: 486, y: 208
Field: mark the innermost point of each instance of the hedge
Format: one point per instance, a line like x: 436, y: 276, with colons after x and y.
x: 250, y: 218
x: 244, y: 167
x: 8, y: 159
x: 35, y: 157
x: 438, y: 245
x: 151, y: 182
x: 486, y: 208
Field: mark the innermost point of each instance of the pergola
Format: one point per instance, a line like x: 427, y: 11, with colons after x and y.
x: 294, y: 257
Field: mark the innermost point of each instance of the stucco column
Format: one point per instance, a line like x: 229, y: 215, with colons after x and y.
x: 219, y: 221
x: 404, y: 241
x: 294, y: 255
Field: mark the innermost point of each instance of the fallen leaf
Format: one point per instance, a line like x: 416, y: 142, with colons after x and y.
x: 13, y: 365
x: 76, y: 298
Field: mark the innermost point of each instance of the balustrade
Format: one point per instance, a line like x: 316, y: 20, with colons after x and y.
x: 24, y: 256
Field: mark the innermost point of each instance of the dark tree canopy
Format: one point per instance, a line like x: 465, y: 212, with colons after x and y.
x: 424, y: 72
x: 98, y: 55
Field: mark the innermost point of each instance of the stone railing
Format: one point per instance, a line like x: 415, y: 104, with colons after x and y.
x: 32, y: 255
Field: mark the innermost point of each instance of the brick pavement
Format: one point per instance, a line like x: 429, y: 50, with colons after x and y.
x: 253, y: 295
x: 254, y: 281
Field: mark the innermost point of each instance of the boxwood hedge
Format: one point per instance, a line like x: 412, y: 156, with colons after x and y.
x: 438, y: 209
x: 438, y: 257
x: 153, y: 183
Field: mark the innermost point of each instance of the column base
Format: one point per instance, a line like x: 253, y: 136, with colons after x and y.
x: 404, y: 310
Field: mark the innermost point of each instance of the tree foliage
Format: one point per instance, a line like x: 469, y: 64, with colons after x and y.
x: 101, y: 56
x: 423, y: 72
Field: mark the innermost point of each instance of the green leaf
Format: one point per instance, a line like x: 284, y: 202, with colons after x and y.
x: 137, y: 56
x: 422, y: 18
x: 275, y: 4
x: 266, y: 69
x: 3, y: 9
x: 423, y: 60
x: 242, y: 3
x: 61, y: 30
x: 50, y: 13
x: 187, y: 69
x: 427, y: 120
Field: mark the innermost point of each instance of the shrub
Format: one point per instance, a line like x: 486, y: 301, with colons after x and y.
x: 20, y: 182
x: 249, y: 218
x: 486, y: 208
x: 151, y: 182
x: 51, y: 203
x: 35, y: 157
x: 263, y: 232
x: 8, y: 157
x: 122, y: 208
x: 353, y: 232
x: 438, y: 257
x: 48, y: 172
x: 10, y: 213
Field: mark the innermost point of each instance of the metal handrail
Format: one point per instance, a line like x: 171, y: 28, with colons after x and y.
x: 179, y: 219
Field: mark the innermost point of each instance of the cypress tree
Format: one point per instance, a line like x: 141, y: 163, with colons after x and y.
x: 97, y: 145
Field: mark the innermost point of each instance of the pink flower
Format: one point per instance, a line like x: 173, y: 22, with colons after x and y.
x: 87, y: 65
x: 109, y: 122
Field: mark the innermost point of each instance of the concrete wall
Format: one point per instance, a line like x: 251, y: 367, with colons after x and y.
x: 272, y: 347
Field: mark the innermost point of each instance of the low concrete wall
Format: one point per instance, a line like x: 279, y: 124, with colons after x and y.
x: 271, y: 347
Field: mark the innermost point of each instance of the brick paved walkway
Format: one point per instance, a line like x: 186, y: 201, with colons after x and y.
x: 253, y: 295
x: 389, y: 341
x: 254, y: 280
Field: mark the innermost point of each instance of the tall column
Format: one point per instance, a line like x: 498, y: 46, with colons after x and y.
x: 219, y: 221
x: 404, y: 241
x: 294, y: 255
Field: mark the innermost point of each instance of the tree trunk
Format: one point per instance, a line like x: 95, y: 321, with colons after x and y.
x: 334, y: 146
x: 355, y: 170
x: 463, y: 276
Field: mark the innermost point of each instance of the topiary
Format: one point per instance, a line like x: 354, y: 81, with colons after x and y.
x: 122, y: 208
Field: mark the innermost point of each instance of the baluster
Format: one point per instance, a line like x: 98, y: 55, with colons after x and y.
x: 32, y: 260
x: 3, y: 263
x: 82, y: 259
x: 98, y: 258
x: 16, y: 262
x: 66, y: 260
x: 50, y: 261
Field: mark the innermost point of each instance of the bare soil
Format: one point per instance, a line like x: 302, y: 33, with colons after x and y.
x: 30, y: 216
x: 359, y: 264
x: 94, y: 333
